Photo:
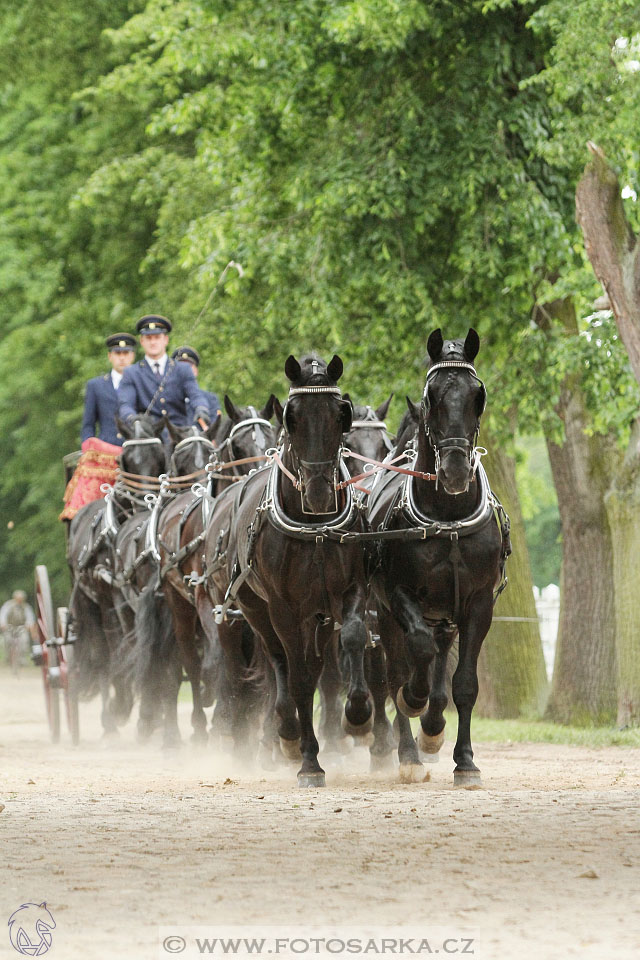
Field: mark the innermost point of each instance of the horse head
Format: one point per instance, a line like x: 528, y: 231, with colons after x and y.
x: 315, y: 419
x: 453, y: 401
x: 245, y: 432
x: 192, y: 448
x: 143, y: 451
x: 368, y: 435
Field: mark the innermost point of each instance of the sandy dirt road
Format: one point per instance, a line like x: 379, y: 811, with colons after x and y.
x: 119, y: 840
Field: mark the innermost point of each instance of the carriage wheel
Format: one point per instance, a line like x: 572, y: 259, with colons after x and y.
x: 50, y: 666
x: 68, y: 676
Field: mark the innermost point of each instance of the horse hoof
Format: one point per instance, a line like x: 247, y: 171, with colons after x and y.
x: 265, y: 757
x: 470, y: 779
x: 404, y: 707
x: 315, y: 779
x: 429, y: 746
x: 346, y: 744
x: 413, y: 773
x: 367, y: 741
x: 357, y: 730
x: 381, y: 764
x: 291, y: 750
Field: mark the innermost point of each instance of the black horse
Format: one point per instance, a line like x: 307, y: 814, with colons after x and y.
x: 180, y: 620
x: 444, y: 543
x: 93, y: 623
x: 287, y: 570
x: 136, y: 566
x: 368, y: 438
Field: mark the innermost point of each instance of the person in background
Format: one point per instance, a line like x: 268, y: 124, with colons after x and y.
x: 17, y: 623
x: 101, y: 397
x: 191, y: 356
x: 159, y: 385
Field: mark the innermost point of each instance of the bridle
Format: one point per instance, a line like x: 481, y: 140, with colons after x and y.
x: 371, y: 422
x: 184, y: 444
x: 333, y: 464
x: 471, y: 450
x: 225, y: 452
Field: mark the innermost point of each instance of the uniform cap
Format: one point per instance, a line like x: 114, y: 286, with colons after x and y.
x: 186, y: 353
x: 153, y: 323
x: 120, y: 342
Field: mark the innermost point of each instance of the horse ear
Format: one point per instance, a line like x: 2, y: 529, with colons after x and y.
x: 211, y: 431
x: 232, y: 410
x: 124, y: 429
x: 471, y: 345
x: 434, y: 344
x: 277, y: 406
x: 158, y: 427
x: 383, y: 409
x: 267, y: 411
x: 346, y: 396
x: 414, y: 409
x: 292, y: 368
x: 335, y: 368
x: 174, y: 432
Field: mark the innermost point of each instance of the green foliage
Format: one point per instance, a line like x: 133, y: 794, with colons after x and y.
x: 539, y: 510
x: 378, y: 167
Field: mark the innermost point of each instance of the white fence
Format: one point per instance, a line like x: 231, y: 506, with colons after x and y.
x: 548, y: 610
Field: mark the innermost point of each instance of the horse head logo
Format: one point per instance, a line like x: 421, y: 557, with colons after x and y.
x: 30, y: 929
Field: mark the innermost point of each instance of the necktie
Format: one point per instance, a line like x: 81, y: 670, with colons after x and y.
x: 156, y: 370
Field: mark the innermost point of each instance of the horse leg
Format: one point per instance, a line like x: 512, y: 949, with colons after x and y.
x: 170, y: 690
x: 232, y: 684
x: 465, y: 688
x: 431, y: 733
x: 154, y: 643
x: 384, y: 740
x: 330, y: 687
x: 288, y: 727
x: 118, y: 628
x: 304, y: 673
x: 411, y: 769
x: 358, y: 709
x: 184, y: 618
x: 412, y: 697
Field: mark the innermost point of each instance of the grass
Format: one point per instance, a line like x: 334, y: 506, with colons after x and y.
x: 539, y: 731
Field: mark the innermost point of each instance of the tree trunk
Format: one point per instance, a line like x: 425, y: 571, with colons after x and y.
x: 511, y: 670
x: 584, y: 677
x: 584, y: 674
x: 615, y: 256
x: 623, y: 507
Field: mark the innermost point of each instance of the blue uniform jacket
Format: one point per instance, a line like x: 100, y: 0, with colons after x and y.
x: 139, y: 385
x: 100, y: 408
x: 212, y: 402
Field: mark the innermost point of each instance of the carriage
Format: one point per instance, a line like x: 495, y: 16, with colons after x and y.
x: 298, y: 555
x: 55, y: 656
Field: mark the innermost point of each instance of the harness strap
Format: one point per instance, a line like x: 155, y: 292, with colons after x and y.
x: 176, y: 558
x: 275, y: 456
x: 388, y: 465
x: 455, y: 557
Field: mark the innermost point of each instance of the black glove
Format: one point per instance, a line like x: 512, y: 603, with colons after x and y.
x: 202, y: 417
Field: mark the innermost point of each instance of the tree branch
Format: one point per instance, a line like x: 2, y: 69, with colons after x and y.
x: 611, y: 247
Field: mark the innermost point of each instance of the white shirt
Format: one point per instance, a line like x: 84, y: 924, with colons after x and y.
x: 161, y: 361
x: 115, y: 379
